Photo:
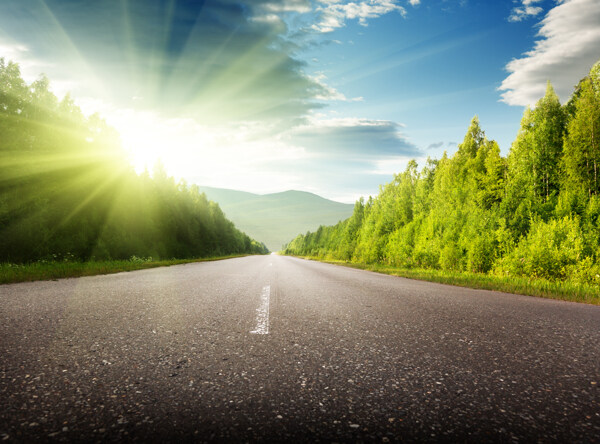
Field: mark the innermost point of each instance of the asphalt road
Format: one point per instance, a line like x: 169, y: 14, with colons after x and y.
x: 270, y: 348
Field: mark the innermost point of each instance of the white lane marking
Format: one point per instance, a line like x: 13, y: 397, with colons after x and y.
x: 262, y: 313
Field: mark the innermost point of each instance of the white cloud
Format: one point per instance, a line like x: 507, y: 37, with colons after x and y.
x: 224, y: 61
x: 333, y: 14
x: 272, y: 11
x: 299, y: 6
x: 10, y: 50
x: 525, y: 11
x: 341, y: 158
x: 328, y: 92
x: 267, y: 18
x: 31, y: 68
x: 569, y: 45
x: 414, y: 2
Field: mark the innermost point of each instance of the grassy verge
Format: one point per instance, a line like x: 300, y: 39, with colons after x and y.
x: 563, y: 290
x: 47, y: 270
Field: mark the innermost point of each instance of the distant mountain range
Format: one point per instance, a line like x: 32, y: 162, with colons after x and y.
x: 276, y: 219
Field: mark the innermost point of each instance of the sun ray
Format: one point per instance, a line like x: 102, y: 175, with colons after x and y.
x: 83, y: 66
x: 129, y: 43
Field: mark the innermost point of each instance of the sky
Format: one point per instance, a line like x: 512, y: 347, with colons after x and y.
x: 328, y: 96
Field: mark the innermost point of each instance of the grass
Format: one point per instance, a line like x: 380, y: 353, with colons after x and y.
x: 562, y: 290
x: 48, y: 270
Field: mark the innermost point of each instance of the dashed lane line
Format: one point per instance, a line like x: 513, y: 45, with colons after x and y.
x: 262, y: 312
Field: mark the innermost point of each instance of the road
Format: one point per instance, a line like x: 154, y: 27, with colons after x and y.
x: 270, y: 348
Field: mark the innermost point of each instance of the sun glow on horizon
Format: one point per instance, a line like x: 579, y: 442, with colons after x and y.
x: 220, y: 156
x: 177, y: 143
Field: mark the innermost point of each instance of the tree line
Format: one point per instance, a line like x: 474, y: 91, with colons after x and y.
x: 68, y: 191
x: 535, y: 212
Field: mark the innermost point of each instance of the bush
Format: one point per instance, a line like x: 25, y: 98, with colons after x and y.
x: 399, y: 249
x: 427, y: 253
x: 550, y: 250
x: 584, y: 272
x: 480, y: 256
x: 451, y: 257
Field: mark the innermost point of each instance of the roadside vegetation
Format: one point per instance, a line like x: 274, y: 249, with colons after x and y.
x: 526, y: 223
x: 563, y: 290
x: 67, y: 190
x: 52, y: 270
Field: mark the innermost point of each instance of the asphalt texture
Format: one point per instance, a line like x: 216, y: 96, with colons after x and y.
x: 167, y: 355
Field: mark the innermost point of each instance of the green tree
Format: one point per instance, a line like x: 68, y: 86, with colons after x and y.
x: 477, y: 211
x: 535, y: 155
x: 582, y: 143
x: 67, y: 190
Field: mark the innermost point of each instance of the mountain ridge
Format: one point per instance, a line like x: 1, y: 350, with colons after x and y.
x: 276, y: 218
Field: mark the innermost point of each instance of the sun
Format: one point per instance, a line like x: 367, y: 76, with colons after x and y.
x: 149, y: 138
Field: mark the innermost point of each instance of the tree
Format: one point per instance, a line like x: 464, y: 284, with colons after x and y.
x: 67, y: 190
x: 472, y: 141
x: 490, y: 175
x: 582, y: 143
x: 535, y: 155
x: 480, y: 212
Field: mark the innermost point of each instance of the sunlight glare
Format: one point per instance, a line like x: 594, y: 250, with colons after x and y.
x: 238, y: 157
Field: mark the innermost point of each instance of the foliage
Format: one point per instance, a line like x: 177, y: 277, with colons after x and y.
x: 582, y: 143
x: 45, y: 270
x: 533, y: 214
x: 68, y: 191
x: 550, y: 250
x: 564, y: 290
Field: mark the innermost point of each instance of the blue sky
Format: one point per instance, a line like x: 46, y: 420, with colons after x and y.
x: 326, y: 96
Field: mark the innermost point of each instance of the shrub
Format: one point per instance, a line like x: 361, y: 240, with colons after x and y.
x: 399, y: 248
x: 550, y: 250
x: 480, y: 256
x: 426, y: 253
x: 451, y: 257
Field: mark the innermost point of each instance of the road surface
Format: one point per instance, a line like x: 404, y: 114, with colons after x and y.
x: 270, y: 348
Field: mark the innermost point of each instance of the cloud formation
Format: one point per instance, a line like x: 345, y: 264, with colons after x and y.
x: 333, y: 14
x: 214, y: 88
x: 436, y: 145
x: 524, y: 11
x: 353, y: 139
x: 328, y: 92
x: 225, y: 60
x: 568, y: 47
x: 215, y: 60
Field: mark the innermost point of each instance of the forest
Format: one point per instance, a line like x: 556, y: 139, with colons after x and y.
x: 534, y: 213
x: 68, y: 191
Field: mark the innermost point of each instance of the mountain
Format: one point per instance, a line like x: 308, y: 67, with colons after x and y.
x: 277, y: 218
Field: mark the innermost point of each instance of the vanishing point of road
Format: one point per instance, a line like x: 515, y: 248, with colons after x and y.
x: 270, y: 348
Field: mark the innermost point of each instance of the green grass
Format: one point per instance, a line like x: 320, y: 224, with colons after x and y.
x: 562, y: 290
x: 47, y: 270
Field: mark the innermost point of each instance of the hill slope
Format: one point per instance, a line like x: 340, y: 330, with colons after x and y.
x: 276, y: 219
